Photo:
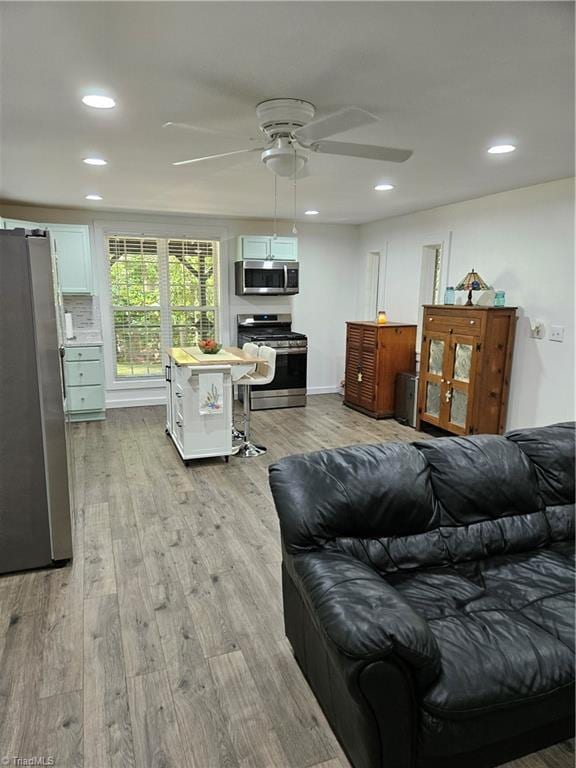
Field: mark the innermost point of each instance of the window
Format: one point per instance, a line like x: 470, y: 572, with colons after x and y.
x: 164, y: 293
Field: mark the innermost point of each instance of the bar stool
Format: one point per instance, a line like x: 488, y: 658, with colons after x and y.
x: 265, y: 370
x: 251, y: 350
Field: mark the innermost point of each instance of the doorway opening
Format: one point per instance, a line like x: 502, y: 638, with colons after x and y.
x: 430, y: 282
x: 375, y: 298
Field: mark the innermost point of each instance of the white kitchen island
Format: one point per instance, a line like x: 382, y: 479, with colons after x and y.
x: 200, y: 399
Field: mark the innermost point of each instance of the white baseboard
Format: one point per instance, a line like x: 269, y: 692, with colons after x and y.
x: 133, y: 401
x: 322, y: 390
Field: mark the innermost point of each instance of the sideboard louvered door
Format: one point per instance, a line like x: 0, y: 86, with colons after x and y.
x: 353, y: 376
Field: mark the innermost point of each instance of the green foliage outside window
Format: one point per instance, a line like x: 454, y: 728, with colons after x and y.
x: 146, y: 318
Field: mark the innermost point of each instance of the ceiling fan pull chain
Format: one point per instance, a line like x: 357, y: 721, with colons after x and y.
x: 275, y: 204
x: 294, y: 228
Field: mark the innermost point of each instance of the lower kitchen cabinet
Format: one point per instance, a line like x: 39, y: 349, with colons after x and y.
x: 197, y: 435
x: 84, y: 375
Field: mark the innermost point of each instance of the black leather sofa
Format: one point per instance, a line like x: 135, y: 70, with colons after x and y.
x: 428, y: 594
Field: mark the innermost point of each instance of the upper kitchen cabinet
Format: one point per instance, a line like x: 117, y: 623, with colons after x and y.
x: 261, y: 247
x: 71, y: 244
x: 19, y: 224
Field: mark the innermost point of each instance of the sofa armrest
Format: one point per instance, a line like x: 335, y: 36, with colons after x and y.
x: 363, y: 615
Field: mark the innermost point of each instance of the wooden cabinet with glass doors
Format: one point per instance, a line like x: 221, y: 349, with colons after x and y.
x: 465, y: 364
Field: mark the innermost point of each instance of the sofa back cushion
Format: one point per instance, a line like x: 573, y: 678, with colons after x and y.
x: 551, y: 451
x: 482, y: 477
x: 436, y: 502
x: 361, y: 492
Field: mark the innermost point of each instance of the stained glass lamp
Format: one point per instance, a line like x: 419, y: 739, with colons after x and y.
x: 472, y: 282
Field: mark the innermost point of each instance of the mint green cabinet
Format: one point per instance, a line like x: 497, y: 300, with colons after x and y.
x: 260, y: 247
x: 84, y: 377
x: 284, y: 248
x: 16, y: 223
x: 71, y: 245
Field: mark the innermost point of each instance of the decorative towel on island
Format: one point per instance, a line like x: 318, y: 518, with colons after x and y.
x: 210, y: 393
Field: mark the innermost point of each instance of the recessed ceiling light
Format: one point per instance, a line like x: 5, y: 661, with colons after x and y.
x: 95, y: 161
x: 383, y: 187
x: 93, y: 197
x: 501, y: 149
x: 311, y: 213
x: 98, y: 102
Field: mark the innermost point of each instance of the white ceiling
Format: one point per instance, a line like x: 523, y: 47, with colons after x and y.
x: 447, y: 80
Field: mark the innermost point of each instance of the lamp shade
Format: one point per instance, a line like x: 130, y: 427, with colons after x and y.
x: 472, y: 282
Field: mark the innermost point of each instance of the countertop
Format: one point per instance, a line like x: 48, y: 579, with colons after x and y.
x: 181, y: 357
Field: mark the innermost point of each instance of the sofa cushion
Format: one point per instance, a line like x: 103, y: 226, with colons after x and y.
x: 362, y: 615
x: 552, y: 452
x: 361, y: 492
x: 505, y: 630
x: 483, y: 477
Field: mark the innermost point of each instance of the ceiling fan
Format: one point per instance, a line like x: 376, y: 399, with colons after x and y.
x: 291, y: 134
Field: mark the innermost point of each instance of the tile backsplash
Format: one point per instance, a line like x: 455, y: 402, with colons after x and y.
x: 85, y: 313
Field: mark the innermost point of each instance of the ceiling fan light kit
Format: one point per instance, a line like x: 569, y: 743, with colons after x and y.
x: 291, y: 133
x: 283, y: 159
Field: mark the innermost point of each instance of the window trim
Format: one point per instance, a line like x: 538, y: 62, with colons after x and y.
x: 195, y: 231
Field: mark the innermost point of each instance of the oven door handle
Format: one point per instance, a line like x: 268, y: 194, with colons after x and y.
x: 299, y: 351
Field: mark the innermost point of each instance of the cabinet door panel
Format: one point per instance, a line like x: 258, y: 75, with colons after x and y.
x: 284, y: 248
x: 17, y: 224
x: 432, y: 399
x: 433, y: 365
x: 460, y: 372
x: 351, y: 379
x: 72, y: 247
x: 256, y: 247
x: 369, y: 337
x: 368, y: 382
x: 436, y: 356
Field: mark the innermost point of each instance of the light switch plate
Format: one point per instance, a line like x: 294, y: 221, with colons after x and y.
x: 556, y: 333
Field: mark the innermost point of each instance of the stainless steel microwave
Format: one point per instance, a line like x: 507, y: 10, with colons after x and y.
x: 267, y: 278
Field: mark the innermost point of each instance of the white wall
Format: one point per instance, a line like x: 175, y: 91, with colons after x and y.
x: 520, y: 241
x: 328, y: 291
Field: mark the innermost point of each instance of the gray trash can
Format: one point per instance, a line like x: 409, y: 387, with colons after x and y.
x: 406, y: 400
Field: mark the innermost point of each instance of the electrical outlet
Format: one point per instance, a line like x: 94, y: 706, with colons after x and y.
x: 538, y: 330
x: 556, y: 333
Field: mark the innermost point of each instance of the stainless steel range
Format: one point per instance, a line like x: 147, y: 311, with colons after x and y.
x: 288, y: 388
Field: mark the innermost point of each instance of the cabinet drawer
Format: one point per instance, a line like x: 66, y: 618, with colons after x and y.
x: 468, y: 325
x: 82, y: 353
x: 83, y: 373
x: 85, y: 398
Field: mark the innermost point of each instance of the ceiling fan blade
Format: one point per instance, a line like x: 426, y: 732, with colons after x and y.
x: 213, y: 131
x: 337, y: 122
x: 222, y: 154
x: 367, y: 151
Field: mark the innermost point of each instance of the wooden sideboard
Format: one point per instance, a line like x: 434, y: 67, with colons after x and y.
x: 374, y: 355
x: 465, y: 364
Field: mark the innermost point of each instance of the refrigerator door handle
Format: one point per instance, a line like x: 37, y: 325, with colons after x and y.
x: 62, y: 353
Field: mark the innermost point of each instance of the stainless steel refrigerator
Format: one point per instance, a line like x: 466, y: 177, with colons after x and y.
x: 35, y: 506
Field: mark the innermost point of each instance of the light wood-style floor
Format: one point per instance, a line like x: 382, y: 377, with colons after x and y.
x: 162, y: 645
